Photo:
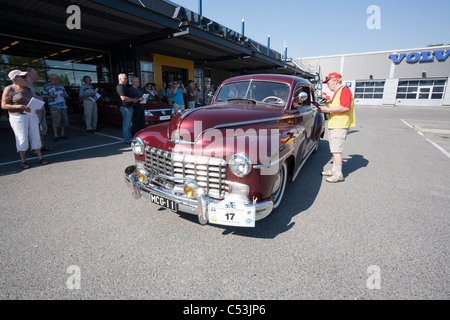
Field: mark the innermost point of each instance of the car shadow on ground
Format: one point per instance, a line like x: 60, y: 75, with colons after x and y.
x: 299, y: 196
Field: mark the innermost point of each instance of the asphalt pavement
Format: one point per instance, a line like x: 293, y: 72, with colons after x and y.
x: 71, y: 230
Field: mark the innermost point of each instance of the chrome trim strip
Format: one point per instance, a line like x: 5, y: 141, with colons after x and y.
x: 306, y: 112
x: 272, y: 163
x: 157, y: 110
x: 187, y: 112
x: 243, y: 123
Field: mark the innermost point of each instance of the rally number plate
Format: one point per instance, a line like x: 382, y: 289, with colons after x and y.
x: 163, y: 202
x: 231, y: 213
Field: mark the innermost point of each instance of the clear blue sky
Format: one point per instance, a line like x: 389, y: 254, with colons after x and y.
x: 318, y: 28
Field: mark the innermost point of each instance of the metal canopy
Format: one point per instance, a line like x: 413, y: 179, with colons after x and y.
x: 102, y: 27
x: 109, y: 24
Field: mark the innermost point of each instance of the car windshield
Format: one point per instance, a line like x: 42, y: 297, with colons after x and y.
x: 258, y: 91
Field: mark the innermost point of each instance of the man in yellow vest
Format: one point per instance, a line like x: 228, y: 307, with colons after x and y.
x: 341, y: 110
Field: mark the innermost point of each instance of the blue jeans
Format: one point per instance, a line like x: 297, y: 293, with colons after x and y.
x: 127, y: 115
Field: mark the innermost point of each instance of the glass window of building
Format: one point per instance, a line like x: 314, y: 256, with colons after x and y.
x: 198, y: 77
x: 147, y: 73
x: 70, y: 64
x: 421, y: 89
x: 369, y: 89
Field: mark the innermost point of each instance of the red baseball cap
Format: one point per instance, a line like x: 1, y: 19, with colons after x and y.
x: 333, y: 75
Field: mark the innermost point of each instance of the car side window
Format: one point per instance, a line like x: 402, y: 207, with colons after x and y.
x: 110, y: 96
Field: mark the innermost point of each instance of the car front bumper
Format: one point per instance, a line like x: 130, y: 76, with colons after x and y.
x: 200, y: 205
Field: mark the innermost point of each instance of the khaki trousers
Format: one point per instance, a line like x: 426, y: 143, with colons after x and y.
x: 90, y: 114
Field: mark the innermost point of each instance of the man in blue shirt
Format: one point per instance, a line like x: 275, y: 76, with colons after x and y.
x: 56, y: 95
x: 178, y: 100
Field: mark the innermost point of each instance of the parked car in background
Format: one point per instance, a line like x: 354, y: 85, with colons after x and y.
x: 109, y: 106
x: 229, y: 162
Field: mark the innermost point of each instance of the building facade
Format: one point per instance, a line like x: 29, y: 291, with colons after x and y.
x: 155, y: 40
x: 412, y: 77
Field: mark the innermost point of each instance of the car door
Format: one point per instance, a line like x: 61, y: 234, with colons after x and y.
x: 307, y: 111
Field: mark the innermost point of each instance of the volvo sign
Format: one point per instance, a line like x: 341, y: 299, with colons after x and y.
x: 425, y: 56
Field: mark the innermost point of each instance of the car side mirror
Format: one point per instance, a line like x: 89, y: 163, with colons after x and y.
x: 303, y: 96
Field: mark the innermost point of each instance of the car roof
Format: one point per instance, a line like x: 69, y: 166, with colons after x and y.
x: 269, y: 77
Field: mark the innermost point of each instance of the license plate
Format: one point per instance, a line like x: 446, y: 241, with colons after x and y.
x: 164, y: 118
x: 163, y: 202
x: 231, y: 213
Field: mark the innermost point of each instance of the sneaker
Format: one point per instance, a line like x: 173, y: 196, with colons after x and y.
x: 65, y: 137
x: 335, y: 178
x: 55, y: 139
x: 327, y: 173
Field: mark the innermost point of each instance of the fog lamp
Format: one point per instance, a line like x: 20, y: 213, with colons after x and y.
x: 142, y: 175
x: 190, y: 188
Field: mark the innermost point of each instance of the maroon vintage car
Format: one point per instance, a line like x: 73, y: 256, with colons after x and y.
x: 229, y: 162
x: 108, y: 106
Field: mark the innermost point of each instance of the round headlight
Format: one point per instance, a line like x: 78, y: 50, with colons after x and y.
x: 138, y: 147
x: 240, y: 165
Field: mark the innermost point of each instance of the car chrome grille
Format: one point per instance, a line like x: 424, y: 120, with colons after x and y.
x: 209, y: 173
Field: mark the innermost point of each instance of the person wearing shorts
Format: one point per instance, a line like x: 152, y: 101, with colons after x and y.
x: 341, y: 117
x: 178, y: 100
x: 56, y: 95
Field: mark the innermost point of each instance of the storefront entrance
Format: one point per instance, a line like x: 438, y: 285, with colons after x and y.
x: 171, y: 74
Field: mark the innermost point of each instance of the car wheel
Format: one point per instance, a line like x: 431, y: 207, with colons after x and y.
x: 279, y: 186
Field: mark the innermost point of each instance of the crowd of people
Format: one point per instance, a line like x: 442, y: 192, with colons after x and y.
x: 30, y: 125
x: 175, y: 94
